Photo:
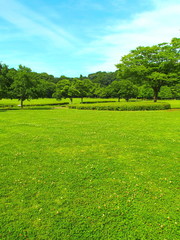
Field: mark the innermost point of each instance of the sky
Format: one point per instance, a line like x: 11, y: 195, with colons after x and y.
x: 73, y: 37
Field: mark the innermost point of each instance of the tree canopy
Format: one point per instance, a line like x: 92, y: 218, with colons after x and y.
x: 24, y: 84
x: 155, y: 66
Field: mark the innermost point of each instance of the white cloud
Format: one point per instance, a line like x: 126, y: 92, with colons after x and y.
x: 33, y: 24
x: 58, y: 50
x: 145, y: 29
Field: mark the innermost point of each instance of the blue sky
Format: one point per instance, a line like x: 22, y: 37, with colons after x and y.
x: 73, y: 37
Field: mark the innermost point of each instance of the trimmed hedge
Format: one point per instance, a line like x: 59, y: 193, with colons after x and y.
x: 130, y: 106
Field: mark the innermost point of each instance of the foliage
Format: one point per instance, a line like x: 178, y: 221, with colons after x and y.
x: 66, y: 89
x: 122, y: 89
x: 176, y: 91
x: 127, y: 90
x: 5, y: 81
x: 113, y: 89
x: 156, y: 66
x: 165, y: 92
x: 103, y: 78
x: 145, y: 92
x: 84, y: 88
x: 131, y: 106
x: 24, y: 84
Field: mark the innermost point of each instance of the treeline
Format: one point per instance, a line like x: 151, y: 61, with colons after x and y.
x: 146, y: 73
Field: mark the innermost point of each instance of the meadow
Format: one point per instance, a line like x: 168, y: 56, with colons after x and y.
x: 50, y: 101
x: 70, y: 174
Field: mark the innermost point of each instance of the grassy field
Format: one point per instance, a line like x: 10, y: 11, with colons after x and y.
x: 69, y: 174
x: 46, y: 101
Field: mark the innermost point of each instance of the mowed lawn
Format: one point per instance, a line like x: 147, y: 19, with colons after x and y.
x: 45, y: 101
x: 77, y: 174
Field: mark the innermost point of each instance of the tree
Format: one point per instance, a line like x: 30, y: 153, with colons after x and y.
x: 84, y: 88
x: 104, y: 92
x: 44, y: 88
x: 24, y: 84
x: 66, y: 89
x: 127, y: 90
x: 5, y: 81
x: 113, y: 89
x: 155, y: 66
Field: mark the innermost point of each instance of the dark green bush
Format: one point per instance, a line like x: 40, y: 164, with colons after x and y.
x: 130, y: 106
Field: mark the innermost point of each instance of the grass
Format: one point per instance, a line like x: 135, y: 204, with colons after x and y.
x: 46, y: 101
x: 8, y: 103
x: 174, y: 103
x: 69, y: 174
x: 15, y: 102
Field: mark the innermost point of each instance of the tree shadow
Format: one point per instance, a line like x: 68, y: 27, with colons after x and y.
x: 21, y: 109
x: 38, y: 108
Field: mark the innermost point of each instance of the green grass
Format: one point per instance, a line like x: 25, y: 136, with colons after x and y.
x: 15, y: 102
x: 69, y: 174
x: 9, y: 104
x: 174, y: 103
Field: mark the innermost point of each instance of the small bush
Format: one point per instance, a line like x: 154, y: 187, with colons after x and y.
x: 130, y: 106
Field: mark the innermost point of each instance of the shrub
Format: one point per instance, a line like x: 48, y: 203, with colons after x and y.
x: 131, y: 106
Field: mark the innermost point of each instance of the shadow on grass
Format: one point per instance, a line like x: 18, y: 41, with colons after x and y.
x: 35, y: 108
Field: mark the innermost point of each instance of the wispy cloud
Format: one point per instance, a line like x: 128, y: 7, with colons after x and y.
x: 33, y: 24
x: 147, y: 28
x: 86, y: 37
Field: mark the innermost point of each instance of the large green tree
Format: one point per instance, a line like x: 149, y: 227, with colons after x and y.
x: 156, y: 66
x: 24, y: 84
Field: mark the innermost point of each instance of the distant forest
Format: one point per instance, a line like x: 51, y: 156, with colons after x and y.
x: 145, y: 73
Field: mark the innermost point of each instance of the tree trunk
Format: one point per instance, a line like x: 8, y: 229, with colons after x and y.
x: 21, y: 103
x: 155, y: 94
x: 82, y: 99
x: 118, y: 99
x: 71, y: 100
